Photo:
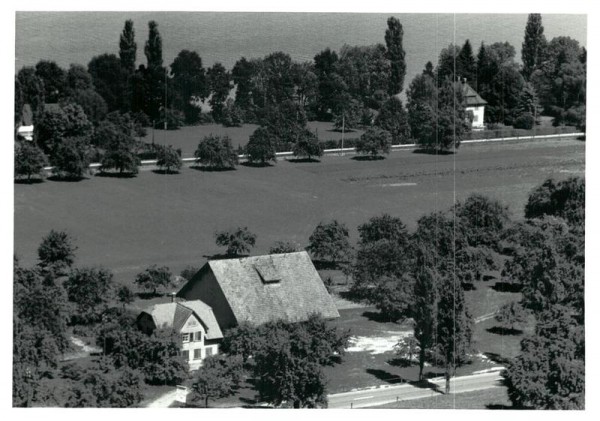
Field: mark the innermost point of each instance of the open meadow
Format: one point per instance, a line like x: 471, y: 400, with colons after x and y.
x: 187, y: 138
x: 127, y: 224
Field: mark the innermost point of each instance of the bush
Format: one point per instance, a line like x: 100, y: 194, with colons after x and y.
x: 524, y: 121
x: 168, y: 159
x: 216, y: 152
x: 373, y: 142
x: 307, y: 145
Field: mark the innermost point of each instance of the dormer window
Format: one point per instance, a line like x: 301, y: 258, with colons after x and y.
x: 267, y: 272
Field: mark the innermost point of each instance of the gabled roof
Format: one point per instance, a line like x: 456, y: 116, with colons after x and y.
x: 260, y: 289
x: 174, y: 315
x: 472, y: 98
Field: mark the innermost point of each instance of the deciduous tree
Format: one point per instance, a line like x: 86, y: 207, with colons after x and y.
x: 395, y: 54
x: 57, y: 251
x: 29, y: 160
x: 238, y: 240
x: 261, y: 147
x: 219, y: 377
x: 168, y: 159
x: 393, y: 118
x: 154, y: 277
x: 216, y: 152
x: 307, y: 145
x: 374, y: 142
x: 90, y: 289
x: 330, y: 241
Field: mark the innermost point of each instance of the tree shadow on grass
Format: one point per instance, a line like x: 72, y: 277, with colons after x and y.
x: 165, y: 172
x: 223, y: 256
x: 487, y: 278
x: 499, y: 330
x: 148, y: 295
x: 426, y: 151
x: 581, y: 138
x: 386, y: 376
x: 66, y: 179
x: 500, y: 406
x: 31, y: 181
x: 376, y: 316
x: 302, y: 160
x: 107, y: 174
x: 368, y: 158
x: 212, y: 169
x: 468, y: 286
x: 507, y: 287
x: 256, y: 164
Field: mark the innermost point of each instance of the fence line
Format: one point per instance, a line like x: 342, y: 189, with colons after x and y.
x: 148, y: 162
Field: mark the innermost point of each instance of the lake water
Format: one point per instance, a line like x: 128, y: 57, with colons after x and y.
x: 75, y: 37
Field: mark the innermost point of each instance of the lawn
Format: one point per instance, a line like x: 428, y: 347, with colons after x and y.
x: 492, y: 398
x: 188, y: 137
x: 128, y: 224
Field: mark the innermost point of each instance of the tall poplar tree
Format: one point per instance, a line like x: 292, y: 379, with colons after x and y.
x: 153, y: 48
x: 395, y: 54
x: 534, y: 44
x: 128, y: 48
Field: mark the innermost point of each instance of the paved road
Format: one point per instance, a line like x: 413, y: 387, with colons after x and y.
x: 374, y: 397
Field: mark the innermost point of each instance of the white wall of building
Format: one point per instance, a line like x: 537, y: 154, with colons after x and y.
x: 477, y: 117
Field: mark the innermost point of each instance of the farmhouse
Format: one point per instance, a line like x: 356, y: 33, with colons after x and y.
x: 475, y: 104
x: 200, y: 332
x: 260, y: 289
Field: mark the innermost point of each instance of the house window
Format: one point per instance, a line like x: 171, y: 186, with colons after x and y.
x: 198, y: 354
x: 209, y: 351
x: 185, y: 337
x: 198, y: 336
x: 186, y: 355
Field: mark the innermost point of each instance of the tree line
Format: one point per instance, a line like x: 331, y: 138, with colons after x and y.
x: 104, y: 107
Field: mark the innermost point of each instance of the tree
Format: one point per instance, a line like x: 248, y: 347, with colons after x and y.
x: 56, y: 124
x: 216, y: 152
x: 424, y: 307
x: 453, y: 328
x: 189, y: 81
x: 511, y: 315
x: 90, y: 101
x: 243, y: 340
x: 32, y: 87
x: 219, y: 377
x: 125, y: 295
x: 534, y: 45
x: 54, y: 79
x: 106, y: 74
x: 104, y: 387
x: 29, y: 160
x: 168, y: 159
x: 565, y: 199
x: 71, y: 159
x: 549, y: 373
x: 90, y: 289
x: 380, y: 264
x: 347, y: 114
x: 330, y: 241
x: 154, y: 277
x: 120, y: 152
x: 307, y: 145
x: 153, y: 47
x: 285, y: 121
x: 465, y: 63
x: 437, y: 117
x: 238, y: 240
x: 446, y: 68
x: 483, y: 220
x: 407, y: 348
x: 499, y: 81
x: 261, y: 147
x: 56, y: 251
x: 395, y: 54
x: 393, y: 118
x: 127, y: 48
x: 528, y: 108
x: 373, y: 142
x: 286, y: 370
x: 219, y: 80
x: 283, y: 247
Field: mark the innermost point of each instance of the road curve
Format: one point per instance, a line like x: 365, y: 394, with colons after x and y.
x: 373, y: 397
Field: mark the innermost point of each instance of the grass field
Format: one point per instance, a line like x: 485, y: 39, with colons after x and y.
x: 493, y: 398
x: 129, y: 224
x: 187, y: 138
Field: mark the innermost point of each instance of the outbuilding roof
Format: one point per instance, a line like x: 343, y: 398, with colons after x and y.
x: 174, y: 315
x: 260, y: 289
x: 472, y: 98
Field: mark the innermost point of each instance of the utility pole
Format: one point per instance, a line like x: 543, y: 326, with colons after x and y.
x: 343, y: 127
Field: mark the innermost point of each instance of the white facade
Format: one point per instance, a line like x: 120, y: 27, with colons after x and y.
x: 477, y: 111
x: 194, y: 347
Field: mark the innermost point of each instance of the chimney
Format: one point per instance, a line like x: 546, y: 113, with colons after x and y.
x: 173, y: 296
